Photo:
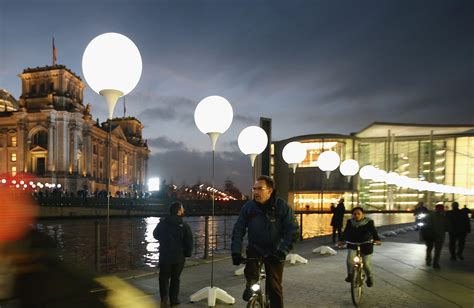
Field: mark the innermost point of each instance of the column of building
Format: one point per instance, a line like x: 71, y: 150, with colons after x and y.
x: 51, y: 144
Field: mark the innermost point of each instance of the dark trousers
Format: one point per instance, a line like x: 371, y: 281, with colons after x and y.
x: 169, y: 281
x: 339, y: 234
x: 438, y: 245
x: 460, y: 239
x: 274, y: 276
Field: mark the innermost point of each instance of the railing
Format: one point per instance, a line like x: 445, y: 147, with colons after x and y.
x: 133, y: 254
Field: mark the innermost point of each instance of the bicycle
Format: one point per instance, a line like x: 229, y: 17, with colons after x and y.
x: 259, y: 297
x: 358, y: 274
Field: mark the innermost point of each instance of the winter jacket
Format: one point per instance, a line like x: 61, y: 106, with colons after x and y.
x: 435, y: 227
x: 176, y: 240
x: 271, y: 227
x: 458, y: 222
x: 361, y: 231
x: 338, y: 215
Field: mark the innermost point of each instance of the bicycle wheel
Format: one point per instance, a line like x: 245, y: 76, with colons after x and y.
x: 255, y: 302
x: 357, y: 283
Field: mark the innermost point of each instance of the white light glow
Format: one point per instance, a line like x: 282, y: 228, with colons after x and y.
x: 154, y: 184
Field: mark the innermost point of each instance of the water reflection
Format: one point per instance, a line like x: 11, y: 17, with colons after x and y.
x: 132, y: 245
x: 320, y: 224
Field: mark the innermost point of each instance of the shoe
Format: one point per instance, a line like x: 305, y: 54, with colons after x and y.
x: 428, y: 262
x: 369, y: 282
x: 164, y: 302
x: 247, y: 294
x: 348, y: 278
x: 460, y: 257
x: 175, y: 303
x: 436, y: 266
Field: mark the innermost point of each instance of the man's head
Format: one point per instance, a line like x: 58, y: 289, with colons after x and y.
x: 439, y: 207
x: 177, y: 208
x: 341, y: 200
x: 263, y: 188
x: 455, y: 205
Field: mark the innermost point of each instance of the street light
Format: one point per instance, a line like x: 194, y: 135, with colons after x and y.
x: 252, y: 141
x: 349, y: 168
x: 328, y: 161
x: 294, y: 153
x: 112, y: 66
x: 213, y: 116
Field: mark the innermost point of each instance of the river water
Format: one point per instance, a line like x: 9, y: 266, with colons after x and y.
x: 131, y: 244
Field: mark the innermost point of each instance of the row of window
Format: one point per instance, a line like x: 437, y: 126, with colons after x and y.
x: 11, y: 142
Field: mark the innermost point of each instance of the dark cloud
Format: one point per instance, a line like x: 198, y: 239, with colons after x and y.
x: 193, y: 166
x: 164, y: 143
x: 311, y: 66
x: 245, y: 119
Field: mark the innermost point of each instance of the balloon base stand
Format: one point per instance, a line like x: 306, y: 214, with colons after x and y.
x: 212, y: 294
x: 293, y: 258
x: 239, y: 271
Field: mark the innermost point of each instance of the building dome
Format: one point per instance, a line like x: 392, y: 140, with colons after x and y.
x: 7, y: 101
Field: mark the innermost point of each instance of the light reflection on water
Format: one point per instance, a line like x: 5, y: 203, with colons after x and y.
x: 132, y: 244
x: 320, y: 224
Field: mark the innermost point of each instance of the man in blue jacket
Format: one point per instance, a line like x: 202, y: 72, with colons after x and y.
x: 271, y: 227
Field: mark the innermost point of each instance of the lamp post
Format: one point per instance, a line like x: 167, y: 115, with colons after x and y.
x: 213, y: 116
x: 294, y: 153
x: 349, y: 168
x: 112, y: 66
x: 327, y: 161
x: 252, y: 141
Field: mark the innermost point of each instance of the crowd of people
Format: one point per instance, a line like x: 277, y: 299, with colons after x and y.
x: 433, y: 228
x: 271, y: 229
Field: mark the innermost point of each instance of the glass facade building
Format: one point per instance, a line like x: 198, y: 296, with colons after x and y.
x: 442, y: 154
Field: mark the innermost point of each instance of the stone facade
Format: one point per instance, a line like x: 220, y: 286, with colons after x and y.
x: 52, y: 134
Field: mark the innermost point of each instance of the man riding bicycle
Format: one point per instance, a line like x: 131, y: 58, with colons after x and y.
x: 360, y: 229
x: 271, y: 227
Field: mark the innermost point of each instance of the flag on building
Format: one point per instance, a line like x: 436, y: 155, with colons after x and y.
x: 54, y: 53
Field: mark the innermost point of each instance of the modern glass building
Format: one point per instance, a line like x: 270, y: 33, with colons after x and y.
x: 442, y: 154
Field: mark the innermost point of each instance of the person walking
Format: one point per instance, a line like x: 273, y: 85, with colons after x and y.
x: 360, y: 229
x: 433, y: 232
x: 176, y: 243
x: 459, y: 226
x: 337, y: 220
x: 271, y: 227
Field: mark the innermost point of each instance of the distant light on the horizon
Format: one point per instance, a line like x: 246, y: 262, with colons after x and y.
x: 154, y: 184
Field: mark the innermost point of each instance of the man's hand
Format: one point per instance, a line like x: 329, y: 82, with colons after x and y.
x: 237, y: 259
x: 378, y: 243
x: 341, y: 245
x: 278, y: 256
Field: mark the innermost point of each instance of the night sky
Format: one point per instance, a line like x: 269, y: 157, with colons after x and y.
x: 311, y: 66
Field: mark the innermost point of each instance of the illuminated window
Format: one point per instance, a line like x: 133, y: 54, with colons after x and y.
x: 13, y: 170
x: 13, y: 141
x: 13, y: 157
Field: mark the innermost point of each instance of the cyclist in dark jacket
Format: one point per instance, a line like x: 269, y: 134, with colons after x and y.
x: 360, y: 229
x: 176, y: 243
x: 271, y: 226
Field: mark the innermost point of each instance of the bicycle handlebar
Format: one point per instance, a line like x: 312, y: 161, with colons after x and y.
x: 362, y: 243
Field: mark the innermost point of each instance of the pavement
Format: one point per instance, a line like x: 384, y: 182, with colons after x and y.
x: 401, y: 278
